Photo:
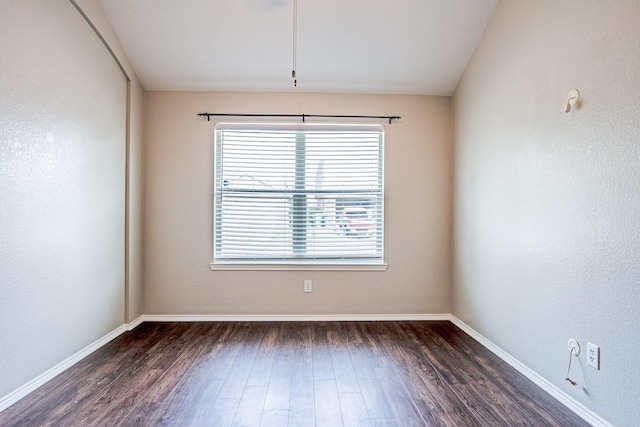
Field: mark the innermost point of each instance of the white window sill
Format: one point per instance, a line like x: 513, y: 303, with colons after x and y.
x: 226, y: 266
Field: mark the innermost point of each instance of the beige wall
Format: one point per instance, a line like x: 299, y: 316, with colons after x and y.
x: 135, y: 181
x: 547, y: 204
x: 178, y: 212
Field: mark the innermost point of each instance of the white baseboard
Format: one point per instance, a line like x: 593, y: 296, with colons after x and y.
x: 293, y: 317
x: 135, y: 323
x: 568, y: 401
x: 19, y: 393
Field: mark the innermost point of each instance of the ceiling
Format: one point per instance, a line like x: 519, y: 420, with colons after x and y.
x: 343, y: 46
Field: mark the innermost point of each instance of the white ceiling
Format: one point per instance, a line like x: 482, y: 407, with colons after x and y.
x: 343, y: 46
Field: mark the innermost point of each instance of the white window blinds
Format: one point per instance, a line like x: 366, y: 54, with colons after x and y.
x: 298, y: 193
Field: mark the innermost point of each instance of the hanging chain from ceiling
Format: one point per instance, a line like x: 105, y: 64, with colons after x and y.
x: 295, y: 41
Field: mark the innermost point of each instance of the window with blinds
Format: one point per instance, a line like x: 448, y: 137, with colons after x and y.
x: 305, y: 193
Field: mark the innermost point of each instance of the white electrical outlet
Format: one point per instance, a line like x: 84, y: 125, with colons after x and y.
x: 308, y: 286
x: 593, y: 355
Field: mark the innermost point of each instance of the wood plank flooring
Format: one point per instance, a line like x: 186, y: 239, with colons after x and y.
x: 291, y: 374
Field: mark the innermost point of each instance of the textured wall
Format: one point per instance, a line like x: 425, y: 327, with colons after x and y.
x: 547, y: 204
x: 178, y: 212
x: 62, y: 177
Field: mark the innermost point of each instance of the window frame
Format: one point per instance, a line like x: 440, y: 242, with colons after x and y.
x: 302, y: 263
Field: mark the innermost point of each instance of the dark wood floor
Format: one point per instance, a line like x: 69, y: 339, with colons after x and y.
x: 291, y: 373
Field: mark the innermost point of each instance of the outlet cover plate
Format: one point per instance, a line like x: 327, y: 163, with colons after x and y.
x: 308, y: 286
x: 593, y: 355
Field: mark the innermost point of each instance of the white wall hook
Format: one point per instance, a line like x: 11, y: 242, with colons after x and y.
x: 572, y: 100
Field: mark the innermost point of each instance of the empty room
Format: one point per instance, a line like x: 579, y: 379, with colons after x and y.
x: 319, y: 213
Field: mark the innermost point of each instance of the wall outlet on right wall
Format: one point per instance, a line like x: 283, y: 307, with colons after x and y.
x: 593, y: 355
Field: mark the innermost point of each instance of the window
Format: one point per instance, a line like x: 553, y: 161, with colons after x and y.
x: 305, y: 194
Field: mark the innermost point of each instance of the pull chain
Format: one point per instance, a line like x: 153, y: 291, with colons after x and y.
x: 295, y: 41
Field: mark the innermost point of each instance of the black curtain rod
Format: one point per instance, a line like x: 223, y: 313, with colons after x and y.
x: 303, y: 116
